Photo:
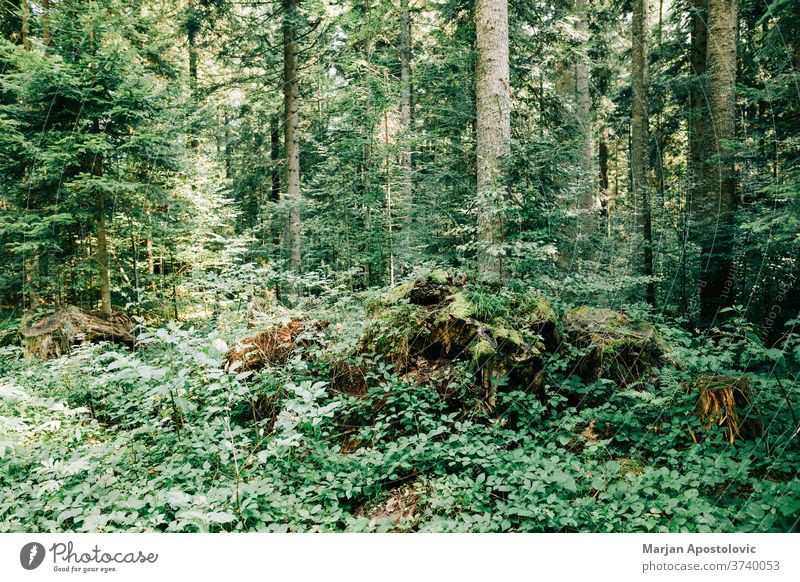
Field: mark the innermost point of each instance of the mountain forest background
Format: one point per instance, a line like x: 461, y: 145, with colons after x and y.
x: 422, y: 265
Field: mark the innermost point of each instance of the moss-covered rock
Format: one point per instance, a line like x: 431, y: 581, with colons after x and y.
x: 614, y: 347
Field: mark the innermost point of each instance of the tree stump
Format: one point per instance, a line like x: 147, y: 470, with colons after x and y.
x: 54, y: 335
x: 429, y: 323
x: 615, y: 347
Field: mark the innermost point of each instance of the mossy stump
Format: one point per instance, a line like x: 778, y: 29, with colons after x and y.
x: 726, y: 403
x: 435, y: 320
x: 615, y: 347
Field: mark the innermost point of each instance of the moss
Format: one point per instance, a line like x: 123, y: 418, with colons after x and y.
x: 481, y: 351
x: 604, y: 320
x: 615, y: 347
x: 459, y: 307
x: 392, y: 330
x: 500, y: 330
x: 439, y: 276
x: 537, y: 308
x: 400, y: 292
x: 536, y: 315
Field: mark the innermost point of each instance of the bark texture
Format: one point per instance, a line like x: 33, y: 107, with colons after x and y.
x: 25, y: 17
x: 291, y: 137
x: 274, y: 158
x: 46, y: 22
x: 698, y: 109
x: 715, y: 224
x: 589, y: 200
x: 192, y: 28
x: 493, y: 127
x: 640, y: 150
x: 405, y: 114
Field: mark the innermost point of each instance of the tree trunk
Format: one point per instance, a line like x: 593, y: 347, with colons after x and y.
x: 192, y: 26
x: 151, y: 265
x: 103, y: 263
x: 103, y: 267
x: 46, y: 22
x: 589, y: 202
x: 605, y: 191
x: 405, y: 117
x: 696, y: 125
x: 698, y: 111
x: 493, y: 105
x: 228, y: 149
x: 718, y: 196
x: 640, y: 149
x: 389, y: 216
x: 366, y: 164
x: 31, y: 277
x: 291, y: 138
x: 274, y: 157
x: 25, y: 29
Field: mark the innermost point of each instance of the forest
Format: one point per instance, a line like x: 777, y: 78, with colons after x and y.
x: 399, y: 266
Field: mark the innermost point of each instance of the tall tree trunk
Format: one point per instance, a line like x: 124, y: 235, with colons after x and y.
x: 228, y: 148
x: 274, y: 157
x: 718, y: 197
x: 151, y: 263
x: 405, y: 118
x: 696, y: 126
x: 291, y: 138
x: 588, y: 202
x: 389, y: 216
x: 192, y: 26
x: 493, y: 128
x: 30, y: 264
x: 366, y: 164
x: 25, y: 29
x: 135, y: 261
x: 605, y: 191
x: 698, y: 111
x: 103, y: 262
x: 46, y: 22
x: 640, y: 147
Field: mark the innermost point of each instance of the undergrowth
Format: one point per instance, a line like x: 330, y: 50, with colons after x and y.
x: 170, y: 438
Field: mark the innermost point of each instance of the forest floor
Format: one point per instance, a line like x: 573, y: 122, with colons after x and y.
x: 438, y: 405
